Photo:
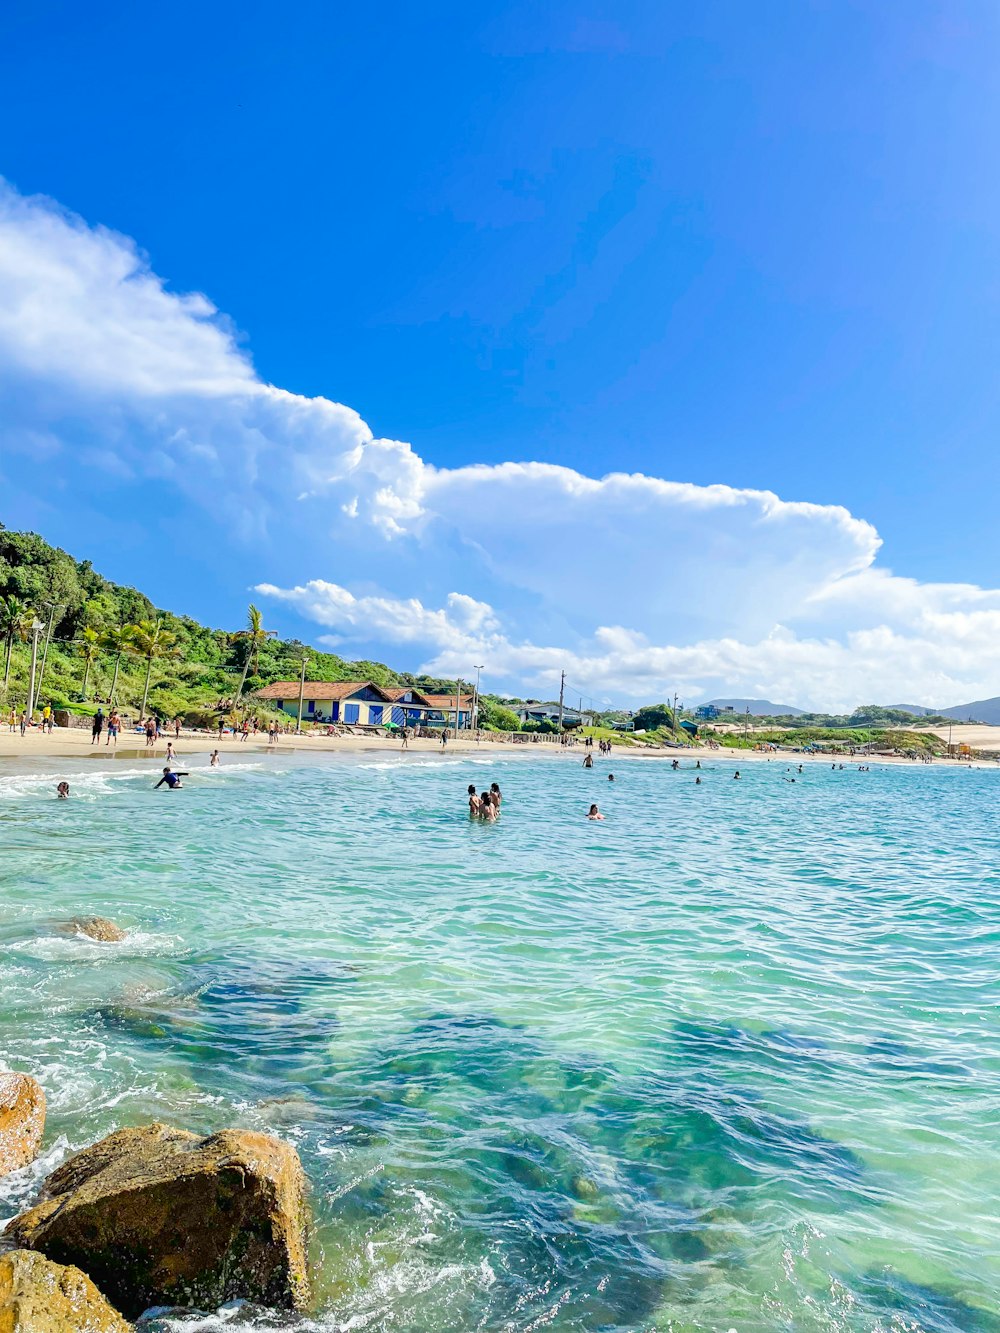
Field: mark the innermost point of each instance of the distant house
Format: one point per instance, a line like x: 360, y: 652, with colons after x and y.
x: 707, y: 712
x: 538, y: 712
x: 363, y: 703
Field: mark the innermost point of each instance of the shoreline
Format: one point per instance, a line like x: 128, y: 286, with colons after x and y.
x: 75, y: 743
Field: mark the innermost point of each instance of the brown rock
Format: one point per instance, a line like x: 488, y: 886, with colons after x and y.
x: 38, y: 1296
x: 95, y: 928
x: 158, y: 1216
x: 22, y: 1119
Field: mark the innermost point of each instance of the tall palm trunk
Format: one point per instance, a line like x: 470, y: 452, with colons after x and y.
x: 114, y: 681
x: 86, y: 678
x: 6, y: 665
x: 246, y: 670
x: 145, y: 691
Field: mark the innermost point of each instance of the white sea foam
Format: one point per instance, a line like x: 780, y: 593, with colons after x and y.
x: 82, y: 949
x: 90, y: 783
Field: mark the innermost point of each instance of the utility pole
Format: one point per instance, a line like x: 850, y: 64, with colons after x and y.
x: 746, y: 722
x: 36, y: 629
x: 562, y: 693
x: 475, y: 701
x: 302, y: 690
x: 458, y: 701
x: 675, y: 712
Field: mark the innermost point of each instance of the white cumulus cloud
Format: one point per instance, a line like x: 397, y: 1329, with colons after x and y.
x: 635, y: 585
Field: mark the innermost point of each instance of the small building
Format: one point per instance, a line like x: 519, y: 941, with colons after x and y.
x: 365, y: 704
x: 538, y: 712
x: 707, y: 712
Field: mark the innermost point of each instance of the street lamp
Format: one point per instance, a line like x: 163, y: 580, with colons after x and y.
x: 36, y: 629
x: 475, y: 698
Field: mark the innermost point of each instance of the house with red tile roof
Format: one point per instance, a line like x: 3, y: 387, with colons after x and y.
x: 363, y: 703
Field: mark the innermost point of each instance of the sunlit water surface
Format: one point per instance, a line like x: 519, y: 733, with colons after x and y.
x: 728, y: 1060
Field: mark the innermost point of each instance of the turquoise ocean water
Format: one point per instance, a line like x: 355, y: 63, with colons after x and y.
x: 728, y: 1060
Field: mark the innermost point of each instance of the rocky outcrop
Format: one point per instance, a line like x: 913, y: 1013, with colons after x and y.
x: 22, y: 1120
x: 95, y: 928
x: 38, y: 1296
x: 157, y: 1216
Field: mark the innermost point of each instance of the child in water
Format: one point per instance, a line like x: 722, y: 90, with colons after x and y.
x: 62, y: 791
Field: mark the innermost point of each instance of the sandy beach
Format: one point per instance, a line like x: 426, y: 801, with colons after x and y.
x: 75, y: 742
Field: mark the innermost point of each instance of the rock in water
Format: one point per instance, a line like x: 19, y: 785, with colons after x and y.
x: 22, y: 1119
x: 38, y: 1296
x: 95, y: 928
x: 158, y: 1216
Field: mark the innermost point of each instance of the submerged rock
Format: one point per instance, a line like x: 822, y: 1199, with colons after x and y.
x: 95, y: 928
x: 38, y: 1296
x: 158, y: 1216
x: 22, y: 1120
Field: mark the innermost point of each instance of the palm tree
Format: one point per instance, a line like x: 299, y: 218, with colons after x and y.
x: 119, y: 639
x: 152, y: 640
x: 89, y: 651
x: 16, y: 620
x: 256, y: 636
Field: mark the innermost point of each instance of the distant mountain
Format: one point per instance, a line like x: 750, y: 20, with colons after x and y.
x: 983, y: 710
x: 759, y: 707
x: 918, y: 710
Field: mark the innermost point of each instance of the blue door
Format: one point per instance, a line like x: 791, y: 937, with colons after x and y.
x: 375, y: 714
x: 398, y: 716
x: 351, y: 713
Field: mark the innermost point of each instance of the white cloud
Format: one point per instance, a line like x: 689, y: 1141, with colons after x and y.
x: 635, y: 585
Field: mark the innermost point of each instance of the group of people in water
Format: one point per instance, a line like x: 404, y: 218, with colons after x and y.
x: 485, y: 805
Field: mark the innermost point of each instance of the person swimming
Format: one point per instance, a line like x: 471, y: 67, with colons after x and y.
x: 474, y: 802
x: 611, y: 777
x: 594, y: 813
x: 62, y: 791
x: 172, y: 779
x: 736, y: 774
x: 488, y: 811
x: 697, y: 782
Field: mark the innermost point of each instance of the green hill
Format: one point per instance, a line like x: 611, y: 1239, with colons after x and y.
x: 90, y: 624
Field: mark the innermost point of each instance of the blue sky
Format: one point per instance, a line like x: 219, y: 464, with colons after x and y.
x: 743, y: 245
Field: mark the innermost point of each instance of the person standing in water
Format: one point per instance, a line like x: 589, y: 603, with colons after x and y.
x: 589, y: 761
x: 474, y: 802
x: 594, y: 813
x: 62, y: 791
x: 487, y: 810
x: 495, y: 797
x: 214, y: 761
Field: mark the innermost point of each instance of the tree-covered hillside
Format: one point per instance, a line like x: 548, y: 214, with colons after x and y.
x: 99, y: 638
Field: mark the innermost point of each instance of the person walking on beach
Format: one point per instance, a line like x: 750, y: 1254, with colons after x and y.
x: 406, y: 739
x: 114, y: 724
x: 177, y: 728
x: 24, y: 720
x: 444, y: 739
x: 97, y: 727
x: 13, y: 720
x: 150, y: 733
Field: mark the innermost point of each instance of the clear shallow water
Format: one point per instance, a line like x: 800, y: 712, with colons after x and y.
x: 729, y: 1060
